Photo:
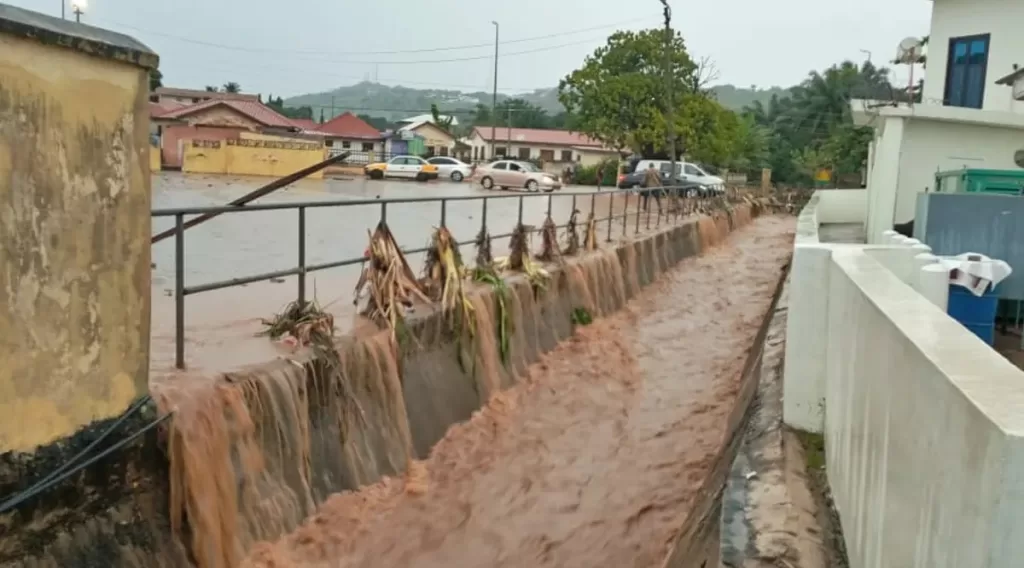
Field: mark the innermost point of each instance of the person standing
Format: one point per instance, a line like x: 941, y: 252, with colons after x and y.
x: 651, y: 184
x: 600, y: 175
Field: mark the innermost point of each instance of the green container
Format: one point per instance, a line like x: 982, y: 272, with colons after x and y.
x: 1003, y: 182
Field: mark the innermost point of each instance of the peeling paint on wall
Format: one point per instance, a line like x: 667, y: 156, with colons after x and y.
x: 74, y: 240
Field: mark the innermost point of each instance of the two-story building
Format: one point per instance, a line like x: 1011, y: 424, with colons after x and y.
x: 971, y: 113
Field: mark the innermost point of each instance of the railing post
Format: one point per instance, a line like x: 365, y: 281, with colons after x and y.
x: 611, y: 215
x: 444, y: 212
x: 625, y: 212
x: 179, y: 291
x: 573, y: 212
x: 551, y: 197
x: 647, y: 201
x: 384, y: 212
x: 302, y: 256
x: 483, y: 217
x: 520, y: 221
x: 593, y: 203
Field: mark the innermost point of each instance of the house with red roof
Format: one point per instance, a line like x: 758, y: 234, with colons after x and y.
x: 213, y: 119
x: 556, y: 149
x: 349, y: 133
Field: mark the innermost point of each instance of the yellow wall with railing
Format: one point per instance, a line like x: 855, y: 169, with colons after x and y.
x: 251, y: 157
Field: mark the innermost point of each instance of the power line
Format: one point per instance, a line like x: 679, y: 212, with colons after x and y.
x: 393, y: 52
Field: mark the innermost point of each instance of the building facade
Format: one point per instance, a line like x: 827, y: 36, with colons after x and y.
x: 970, y: 115
x: 555, y: 149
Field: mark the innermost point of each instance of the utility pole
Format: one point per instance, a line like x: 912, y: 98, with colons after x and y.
x: 669, y: 118
x: 494, y: 97
x: 63, y: 15
x: 508, y: 147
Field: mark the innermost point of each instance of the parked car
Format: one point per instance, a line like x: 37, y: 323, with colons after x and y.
x: 685, y: 171
x: 515, y: 174
x: 451, y: 168
x: 408, y: 167
x: 683, y: 185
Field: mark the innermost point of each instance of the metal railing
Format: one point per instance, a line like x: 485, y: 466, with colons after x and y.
x: 181, y: 290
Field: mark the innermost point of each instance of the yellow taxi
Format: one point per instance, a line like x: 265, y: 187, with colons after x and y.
x: 407, y: 167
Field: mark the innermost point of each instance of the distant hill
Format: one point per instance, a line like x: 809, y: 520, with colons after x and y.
x: 395, y: 103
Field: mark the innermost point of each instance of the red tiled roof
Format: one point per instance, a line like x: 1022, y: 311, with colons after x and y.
x: 253, y: 109
x: 539, y: 136
x: 349, y: 125
x: 156, y: 109
x: 305, y: 123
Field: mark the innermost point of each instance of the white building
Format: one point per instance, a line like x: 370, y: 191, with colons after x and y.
x: 968, y: 117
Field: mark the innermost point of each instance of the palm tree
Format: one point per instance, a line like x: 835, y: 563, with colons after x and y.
x: 232, y: 87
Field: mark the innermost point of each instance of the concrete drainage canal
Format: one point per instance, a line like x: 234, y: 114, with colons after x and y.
x: 600, y: 432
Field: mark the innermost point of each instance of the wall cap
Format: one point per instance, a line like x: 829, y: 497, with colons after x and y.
x: 26, y: 24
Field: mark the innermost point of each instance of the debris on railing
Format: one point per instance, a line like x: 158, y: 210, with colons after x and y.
x: 549, y: 241
x: 392, y: 285
x: 519, y: 257
x: 572, y: 234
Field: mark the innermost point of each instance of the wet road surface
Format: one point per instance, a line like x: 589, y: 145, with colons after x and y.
x: 594, y: 459
x: 221, y: 325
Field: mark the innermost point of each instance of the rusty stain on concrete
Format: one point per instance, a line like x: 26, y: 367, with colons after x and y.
x: 74, y: 237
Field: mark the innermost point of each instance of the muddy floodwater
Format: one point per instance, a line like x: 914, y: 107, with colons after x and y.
x: 594, y: 458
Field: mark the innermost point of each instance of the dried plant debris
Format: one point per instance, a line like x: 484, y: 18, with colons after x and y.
x: 444, y: 272
x: 483, y: 248
x: 390, y: 284
x: 549, y: 251
x: 519, y: 258
x: 307, y: 322
x: 590, y: 236
x: 572, y: 233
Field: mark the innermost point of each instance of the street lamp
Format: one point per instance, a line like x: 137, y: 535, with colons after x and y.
x: 868, y: 53
x: 494, y: 98
x: 79, y: 6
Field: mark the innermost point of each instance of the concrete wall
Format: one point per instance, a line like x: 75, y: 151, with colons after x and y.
x: 921, y: 419
x: 959, y: 18
x: 176, y: 137
x: 74, y: 238
x: 259, y: 158
x: 923, y: 428
x: 842, y: 205
x: 154, y: 159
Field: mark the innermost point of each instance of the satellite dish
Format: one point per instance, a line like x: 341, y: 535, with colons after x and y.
x: 910, y: 50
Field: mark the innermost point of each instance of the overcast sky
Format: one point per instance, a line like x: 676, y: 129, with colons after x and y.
x: 298, y: 46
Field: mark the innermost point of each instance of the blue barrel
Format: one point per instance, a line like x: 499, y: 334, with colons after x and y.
x: 976, y: 313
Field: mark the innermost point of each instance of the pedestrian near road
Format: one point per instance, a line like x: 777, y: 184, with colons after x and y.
x: 600, y: 175
x: 651, y: 184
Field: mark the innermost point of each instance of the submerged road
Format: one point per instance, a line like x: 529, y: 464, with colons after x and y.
x: 592, y: 460
x: 220, y: 325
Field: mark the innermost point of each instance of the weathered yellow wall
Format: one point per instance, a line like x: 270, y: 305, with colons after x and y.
x: 246, y: 135
x: 242, y: 160
x: 74, y: 240
x: 154, y: 159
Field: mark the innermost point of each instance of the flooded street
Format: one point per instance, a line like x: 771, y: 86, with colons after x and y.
x: 221, y: 324
x: 590, y: 461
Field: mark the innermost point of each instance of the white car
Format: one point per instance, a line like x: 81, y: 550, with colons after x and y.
x: 412, y: 167
x: 451, y: 168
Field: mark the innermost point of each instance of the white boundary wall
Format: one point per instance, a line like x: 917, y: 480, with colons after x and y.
x: 923, y: 422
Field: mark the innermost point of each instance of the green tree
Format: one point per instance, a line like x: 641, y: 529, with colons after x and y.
x: 156, y: 79
x: 481, y: 115
x: 618, y: 96
x: 232, y: 87
x: 377, y: 122
x: 443, y: 122
x: 211, y: 89
x: 522, y: 114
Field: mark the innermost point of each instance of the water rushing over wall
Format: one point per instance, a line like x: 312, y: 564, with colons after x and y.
x: 254, y: 453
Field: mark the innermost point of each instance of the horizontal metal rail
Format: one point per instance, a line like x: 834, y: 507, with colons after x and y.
x: 181, y: 291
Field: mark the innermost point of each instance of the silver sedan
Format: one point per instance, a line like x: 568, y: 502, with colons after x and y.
x: 451, y: 168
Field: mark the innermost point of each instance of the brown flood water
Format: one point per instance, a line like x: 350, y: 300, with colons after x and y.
x: 594, y: 458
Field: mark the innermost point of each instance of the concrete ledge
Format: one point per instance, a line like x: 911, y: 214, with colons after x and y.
x: 923, y: 430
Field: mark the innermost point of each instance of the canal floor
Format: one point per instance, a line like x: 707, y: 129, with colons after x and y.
x: 593, y: 459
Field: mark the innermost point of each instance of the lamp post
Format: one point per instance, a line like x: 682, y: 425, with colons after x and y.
x: 78, y: 7
x: 494, y: 97
x: 63, y: 3
x: 868, y: 53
